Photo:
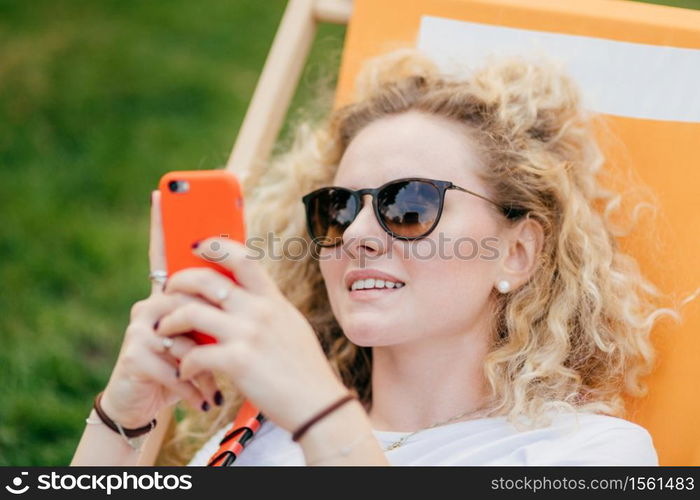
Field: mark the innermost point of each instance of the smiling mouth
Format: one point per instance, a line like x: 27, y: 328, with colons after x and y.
x: 378, y: 285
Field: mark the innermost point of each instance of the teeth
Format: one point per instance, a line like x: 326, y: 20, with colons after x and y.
x: 375, y: 283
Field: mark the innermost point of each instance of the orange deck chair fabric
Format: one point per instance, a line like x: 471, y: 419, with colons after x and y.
x: 637, y: 64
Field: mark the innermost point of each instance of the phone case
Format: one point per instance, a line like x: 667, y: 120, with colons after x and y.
x: 195, y: 205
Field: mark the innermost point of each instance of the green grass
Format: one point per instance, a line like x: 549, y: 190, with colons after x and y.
x: 98, y: 99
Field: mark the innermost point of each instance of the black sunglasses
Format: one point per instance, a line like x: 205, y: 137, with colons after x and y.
x: 407, y: 209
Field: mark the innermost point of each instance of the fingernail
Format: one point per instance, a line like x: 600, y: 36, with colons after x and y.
x: 196, y: 244
x: 205, y: 406
x: 218, y: 398
x: 155, y: 325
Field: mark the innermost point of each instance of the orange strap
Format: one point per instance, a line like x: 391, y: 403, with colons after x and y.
x: 245, y: 425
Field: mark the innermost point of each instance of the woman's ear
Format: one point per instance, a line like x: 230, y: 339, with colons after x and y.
x: 525, y: 242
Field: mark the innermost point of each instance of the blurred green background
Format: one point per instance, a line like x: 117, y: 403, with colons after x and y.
x: 98, y: 99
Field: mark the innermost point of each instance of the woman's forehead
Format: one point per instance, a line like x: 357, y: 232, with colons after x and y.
x: 408, y: 145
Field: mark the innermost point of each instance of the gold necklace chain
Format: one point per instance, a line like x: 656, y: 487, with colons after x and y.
x: 403, y: 439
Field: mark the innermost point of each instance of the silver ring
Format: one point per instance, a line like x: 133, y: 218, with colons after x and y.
x: 159, y: 276
x: 222, y: 294
x: 167, y: 343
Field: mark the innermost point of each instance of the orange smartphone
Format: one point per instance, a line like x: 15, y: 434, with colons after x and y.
x: 195, y: 205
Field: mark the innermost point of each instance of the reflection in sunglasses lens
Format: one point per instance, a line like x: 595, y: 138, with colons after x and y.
x: 409, y: 208
x: 332, y: 212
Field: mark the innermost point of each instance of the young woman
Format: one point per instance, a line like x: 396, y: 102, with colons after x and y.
x: 460, y: 279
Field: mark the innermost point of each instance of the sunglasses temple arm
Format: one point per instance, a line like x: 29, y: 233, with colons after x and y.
x: 479, y: 196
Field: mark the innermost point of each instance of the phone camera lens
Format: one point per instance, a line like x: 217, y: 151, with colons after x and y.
x: 179, y: 186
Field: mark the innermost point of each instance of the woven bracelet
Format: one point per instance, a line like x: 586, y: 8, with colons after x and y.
x: 301, y: 430
x: 129, y: 433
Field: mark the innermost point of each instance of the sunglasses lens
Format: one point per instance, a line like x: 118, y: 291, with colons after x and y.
x: 330, y: 212
x: 409, y: 208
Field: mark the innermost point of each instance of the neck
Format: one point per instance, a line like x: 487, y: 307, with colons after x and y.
x: 419, y: 384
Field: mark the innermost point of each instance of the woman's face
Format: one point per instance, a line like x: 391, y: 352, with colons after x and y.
x: 450, y: 274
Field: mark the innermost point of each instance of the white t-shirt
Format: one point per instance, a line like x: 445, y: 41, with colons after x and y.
x: 597, y: 440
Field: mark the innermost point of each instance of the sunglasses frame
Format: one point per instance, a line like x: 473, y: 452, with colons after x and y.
x: 359, y: 194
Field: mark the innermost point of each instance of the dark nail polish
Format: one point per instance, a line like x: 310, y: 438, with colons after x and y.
x: 155, y: 325
x: 195, y: 244
x: 205, y: 406
x: 177, y: 373
x: 218, y: 398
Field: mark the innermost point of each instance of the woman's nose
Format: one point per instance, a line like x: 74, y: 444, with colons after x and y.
x: 365, y: 231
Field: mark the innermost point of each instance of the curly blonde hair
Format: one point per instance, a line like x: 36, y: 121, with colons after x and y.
x: 576, y: 335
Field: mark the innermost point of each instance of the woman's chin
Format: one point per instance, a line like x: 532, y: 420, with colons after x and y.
x: 374, y: 335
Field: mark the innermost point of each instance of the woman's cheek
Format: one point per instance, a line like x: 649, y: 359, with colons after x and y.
x: 456, y: 274
x: 331, y: 267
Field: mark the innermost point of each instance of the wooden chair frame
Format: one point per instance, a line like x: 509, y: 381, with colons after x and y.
x: 280, y: 78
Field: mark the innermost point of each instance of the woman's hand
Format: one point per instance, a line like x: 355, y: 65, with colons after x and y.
x: 144, y: 378
x: 264, y: 344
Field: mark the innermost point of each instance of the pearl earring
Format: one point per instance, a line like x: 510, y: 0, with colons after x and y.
x: 503, y: 286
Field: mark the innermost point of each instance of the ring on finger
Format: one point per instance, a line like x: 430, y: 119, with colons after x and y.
x: 167, y: 343
x: 222, y: 294
x: 158, y: 276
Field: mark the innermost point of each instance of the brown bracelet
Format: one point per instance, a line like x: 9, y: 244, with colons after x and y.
x: 129, y: 433
x: 301, y: 430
